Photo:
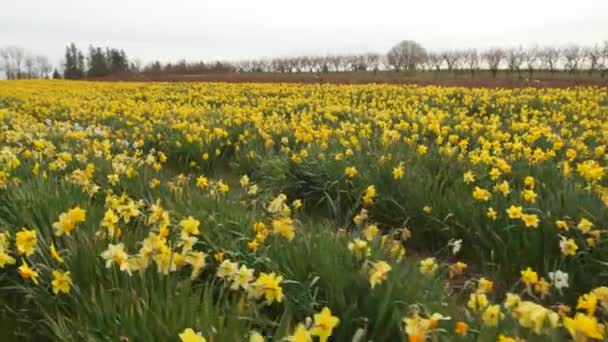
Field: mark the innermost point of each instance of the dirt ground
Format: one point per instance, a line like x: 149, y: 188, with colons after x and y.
x: 464, y: 79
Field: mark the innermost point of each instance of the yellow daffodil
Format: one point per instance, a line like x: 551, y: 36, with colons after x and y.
x: 324, y: 324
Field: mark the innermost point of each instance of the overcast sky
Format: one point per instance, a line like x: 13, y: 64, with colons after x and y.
x: 236, y: 29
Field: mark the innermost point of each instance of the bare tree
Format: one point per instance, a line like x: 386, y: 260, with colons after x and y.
x: 605, y: 58
x: 6, y: 65
x: 244, y: 66
x: 549, y: 58
x: 373, y: 61
x: 44, y: 66
x: 357, y: 63
x: 17, y: 63
x: 13, y: 59
x: 493, y: 57
x: 30, y: 66
x: 352, y: 63
x: 595, y: 57
x: 471, y: 60
x: 318, y: 63
x: 333, y: 62
x: 18, y: 59
x: 322, y: 63
x: 435, y: 61
x: 515, y: 58
x: 451, y: 58
x: 282, y: 65
x: 407, y: 55
x: 572, y: 57
x: 304, y: 64
x: 266, y: 65
x: 530, y: 58
x: 292, y: 64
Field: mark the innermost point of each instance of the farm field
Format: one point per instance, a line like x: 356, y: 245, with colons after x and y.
x: 458, y: 78
x: 302, y: 212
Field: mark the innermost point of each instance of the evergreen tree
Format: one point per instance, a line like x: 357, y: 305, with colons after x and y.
x: 80, y: 63
x: 56, y: 75
x: 124, y: 61
x: 74, y: 63
x: 117, y: 60
x: 97, y: 63
x: 70, y: 64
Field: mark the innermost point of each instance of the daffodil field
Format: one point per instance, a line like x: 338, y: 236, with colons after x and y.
x: 285, y: 212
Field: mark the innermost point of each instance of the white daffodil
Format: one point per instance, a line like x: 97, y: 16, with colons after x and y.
x: 559, y: 279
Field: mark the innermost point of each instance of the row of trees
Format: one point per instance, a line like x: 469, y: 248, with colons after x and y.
x: 411, y: 56
x: 17, y: 63
x: 99, y: 62
x: 184, y: 67
x: 405, y: 56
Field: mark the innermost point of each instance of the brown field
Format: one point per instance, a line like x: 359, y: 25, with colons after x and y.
x: 460, y: 78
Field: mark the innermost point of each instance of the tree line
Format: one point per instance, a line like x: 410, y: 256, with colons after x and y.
x: 19, y: 63
x: 99, y: 62
x: 406, y: 56
x: 411, y: 56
